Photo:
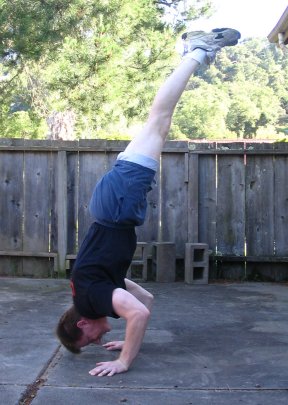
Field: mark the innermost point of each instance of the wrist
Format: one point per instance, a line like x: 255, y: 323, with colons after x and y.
x: 123, y: 364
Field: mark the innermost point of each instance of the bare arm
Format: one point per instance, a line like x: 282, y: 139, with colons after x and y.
x: 143, y: 296
x: 136, y: 315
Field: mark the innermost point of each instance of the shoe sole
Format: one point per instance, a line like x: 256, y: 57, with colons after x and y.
x: 216, y: 39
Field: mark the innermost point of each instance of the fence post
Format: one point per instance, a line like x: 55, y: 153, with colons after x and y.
x: 62, y: 212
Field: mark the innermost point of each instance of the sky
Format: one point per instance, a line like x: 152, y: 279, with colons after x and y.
x: 253, y: 18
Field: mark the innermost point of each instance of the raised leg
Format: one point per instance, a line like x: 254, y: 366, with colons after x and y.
x: 150, y: 140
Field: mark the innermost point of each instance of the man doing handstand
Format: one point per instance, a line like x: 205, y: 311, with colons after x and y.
x: 99, y: 285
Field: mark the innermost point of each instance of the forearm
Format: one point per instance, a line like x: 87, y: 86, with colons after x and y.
x: 135, y: 330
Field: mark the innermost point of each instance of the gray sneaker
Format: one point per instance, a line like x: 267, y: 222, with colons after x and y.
x: 212, y: 41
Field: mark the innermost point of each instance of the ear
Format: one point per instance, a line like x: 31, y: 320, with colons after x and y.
x: 82, y: 323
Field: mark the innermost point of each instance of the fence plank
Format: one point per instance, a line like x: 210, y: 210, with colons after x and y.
x: 230, y: 217
x: 11, y: 210
x: 72, y: 201
x: 174, y: 224
x: 207, y: 197
x: 260, y: 202
x: 281, y: 203
x: 62, y: 210
x: 92, y: 166
x: 36, y: 212
x: 230, y: 214
x: 193, y: 199
x: 53, y: 203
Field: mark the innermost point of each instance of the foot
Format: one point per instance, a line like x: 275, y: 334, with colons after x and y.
x: 210, y: 42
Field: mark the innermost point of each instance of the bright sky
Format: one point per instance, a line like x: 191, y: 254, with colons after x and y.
x: 253, y: 18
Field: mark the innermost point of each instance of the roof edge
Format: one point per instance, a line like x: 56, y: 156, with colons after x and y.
x: 280, y: 27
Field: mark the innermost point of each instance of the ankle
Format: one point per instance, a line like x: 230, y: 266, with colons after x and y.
x: 197, y: 54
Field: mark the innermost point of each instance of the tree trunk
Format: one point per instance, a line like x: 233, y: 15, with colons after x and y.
x: 61, y: 125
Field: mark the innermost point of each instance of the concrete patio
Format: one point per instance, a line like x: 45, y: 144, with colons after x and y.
x: 218, y: 344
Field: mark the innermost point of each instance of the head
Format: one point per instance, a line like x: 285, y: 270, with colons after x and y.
x: 75, y: 331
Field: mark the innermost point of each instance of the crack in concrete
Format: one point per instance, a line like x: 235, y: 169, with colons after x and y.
x: 31, y: 391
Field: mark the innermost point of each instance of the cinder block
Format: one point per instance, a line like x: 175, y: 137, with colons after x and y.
x: 196, y: 263
x: 139, y: 259
x: 164, y: 261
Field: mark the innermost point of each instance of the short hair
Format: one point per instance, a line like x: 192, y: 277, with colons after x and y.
x: 68, y: 331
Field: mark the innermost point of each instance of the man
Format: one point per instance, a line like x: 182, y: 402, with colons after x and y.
x: 118, y: 204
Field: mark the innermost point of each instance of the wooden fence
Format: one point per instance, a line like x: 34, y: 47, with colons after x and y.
x: 233, y: 196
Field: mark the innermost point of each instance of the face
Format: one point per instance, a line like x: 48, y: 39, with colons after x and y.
x: 93, y: 330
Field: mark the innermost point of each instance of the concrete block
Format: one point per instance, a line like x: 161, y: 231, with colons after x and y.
x: 196, y: 263
x: 164, y: 261
x: 139, y: 260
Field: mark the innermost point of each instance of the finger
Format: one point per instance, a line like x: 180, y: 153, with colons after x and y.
x: 94, y: 371
x: 112, y: 372
x: 108, y: 345
x: 103, y: 373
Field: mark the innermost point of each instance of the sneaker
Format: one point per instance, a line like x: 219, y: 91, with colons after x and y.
x: 212, y: 41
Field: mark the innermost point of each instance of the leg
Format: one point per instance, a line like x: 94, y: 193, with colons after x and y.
x: 199, y: 47
x: 150, y: 140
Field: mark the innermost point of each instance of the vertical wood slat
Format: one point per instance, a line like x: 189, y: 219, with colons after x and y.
x: 174, y: 200
x: 62, y: 210
x: 281, y: 201
x: 193, y: 199
x: 260, y: 202
x: 207, y: 197
x: 230, y: 213
x: 36, y: 212
x: 92, y: 166
x: 11, y: 210
x: 53, y: 202
x: 72, y: 201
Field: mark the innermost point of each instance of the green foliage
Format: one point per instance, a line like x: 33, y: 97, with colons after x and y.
x: 105, y: 59
x: 201, y: 112
x: 248, y: 94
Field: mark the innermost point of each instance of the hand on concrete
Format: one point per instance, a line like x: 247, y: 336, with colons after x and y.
x: 117, y: 345
x: 108, y: 368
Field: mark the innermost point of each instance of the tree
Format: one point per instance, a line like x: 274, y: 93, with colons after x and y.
x: 201, y: 113
x: 85, y: 56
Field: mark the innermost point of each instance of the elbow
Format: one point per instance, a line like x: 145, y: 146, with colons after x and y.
x: 142, y: 315
x: 149, y: 301
x: 145, y: 313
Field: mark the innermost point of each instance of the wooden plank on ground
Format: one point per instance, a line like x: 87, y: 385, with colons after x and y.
x: 11, y: 210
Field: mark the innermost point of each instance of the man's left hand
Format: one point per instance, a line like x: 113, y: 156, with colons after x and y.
x: 117, y: 345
